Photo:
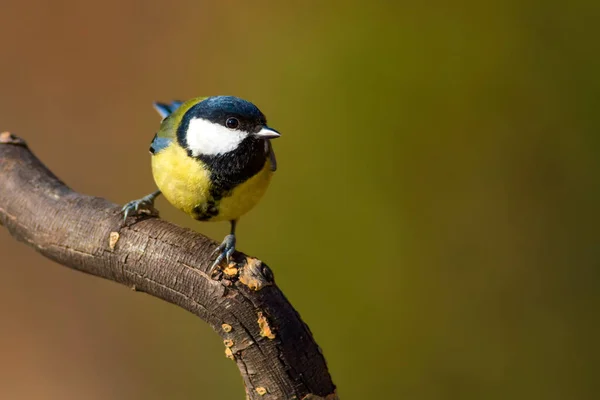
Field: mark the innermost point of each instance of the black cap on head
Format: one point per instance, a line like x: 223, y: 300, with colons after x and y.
x: 219, y: 109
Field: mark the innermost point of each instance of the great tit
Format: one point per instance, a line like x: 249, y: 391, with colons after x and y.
x: 212, y: 158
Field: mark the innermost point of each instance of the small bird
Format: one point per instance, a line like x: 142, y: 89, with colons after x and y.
x: 212, y: 158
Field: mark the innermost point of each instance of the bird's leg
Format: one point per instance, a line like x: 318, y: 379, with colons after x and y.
x: 226, y: 248
x: 145, y: 204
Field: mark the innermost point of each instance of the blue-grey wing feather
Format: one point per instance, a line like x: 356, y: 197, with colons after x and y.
x: 159, y: 143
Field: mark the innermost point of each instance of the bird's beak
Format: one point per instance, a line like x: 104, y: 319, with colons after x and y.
x: 267, y: 133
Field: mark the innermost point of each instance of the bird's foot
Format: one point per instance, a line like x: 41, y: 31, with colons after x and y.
x: 145, y: 205
x: 225, y: 251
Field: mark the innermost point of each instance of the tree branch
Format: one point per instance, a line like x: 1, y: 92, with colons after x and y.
x: 272, y: 347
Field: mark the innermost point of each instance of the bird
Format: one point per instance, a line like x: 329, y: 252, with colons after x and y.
x: 213, y: 159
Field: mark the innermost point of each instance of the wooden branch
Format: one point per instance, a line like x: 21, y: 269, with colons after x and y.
x: 273, y: 349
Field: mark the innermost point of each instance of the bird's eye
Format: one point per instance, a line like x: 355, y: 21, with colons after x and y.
x: 232, y: 123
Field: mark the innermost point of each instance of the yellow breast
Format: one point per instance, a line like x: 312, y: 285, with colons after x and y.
x: 185, y: 183
x: 245, y: 196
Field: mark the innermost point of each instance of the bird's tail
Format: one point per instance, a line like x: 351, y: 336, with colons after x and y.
x: 166, y: 109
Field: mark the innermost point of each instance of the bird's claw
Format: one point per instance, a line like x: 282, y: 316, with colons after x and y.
x: 144, y: 205
x: 225, y: 250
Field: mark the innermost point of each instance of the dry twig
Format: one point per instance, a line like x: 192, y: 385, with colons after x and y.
x: 273, y: 349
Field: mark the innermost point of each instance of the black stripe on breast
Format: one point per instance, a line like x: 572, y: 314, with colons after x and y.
x: 229, y: 170
x: 235, y: 167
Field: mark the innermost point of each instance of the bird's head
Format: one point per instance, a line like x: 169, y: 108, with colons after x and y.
x: 221, y: 124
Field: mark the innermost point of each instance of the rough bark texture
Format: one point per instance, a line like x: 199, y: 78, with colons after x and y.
x: 274, y: 350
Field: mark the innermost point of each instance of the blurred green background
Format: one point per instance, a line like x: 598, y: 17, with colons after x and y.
x: 433, y: 219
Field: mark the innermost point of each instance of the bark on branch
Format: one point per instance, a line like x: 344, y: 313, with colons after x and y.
x: 273, y: 349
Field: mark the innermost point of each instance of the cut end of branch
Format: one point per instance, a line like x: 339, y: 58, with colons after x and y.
x: 9, y: 138
x: 255, y: 274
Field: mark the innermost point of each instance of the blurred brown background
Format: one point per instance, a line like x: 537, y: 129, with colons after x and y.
x: 434, y: 217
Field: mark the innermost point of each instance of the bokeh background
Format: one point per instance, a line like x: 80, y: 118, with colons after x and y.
x: 433, y: 219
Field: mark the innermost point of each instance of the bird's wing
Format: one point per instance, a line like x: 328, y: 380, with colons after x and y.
x: 160, y: 140
x: 159, y: 143
x: 172, y: 114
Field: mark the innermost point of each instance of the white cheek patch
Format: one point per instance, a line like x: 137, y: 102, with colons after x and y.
x: 205, y: 137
